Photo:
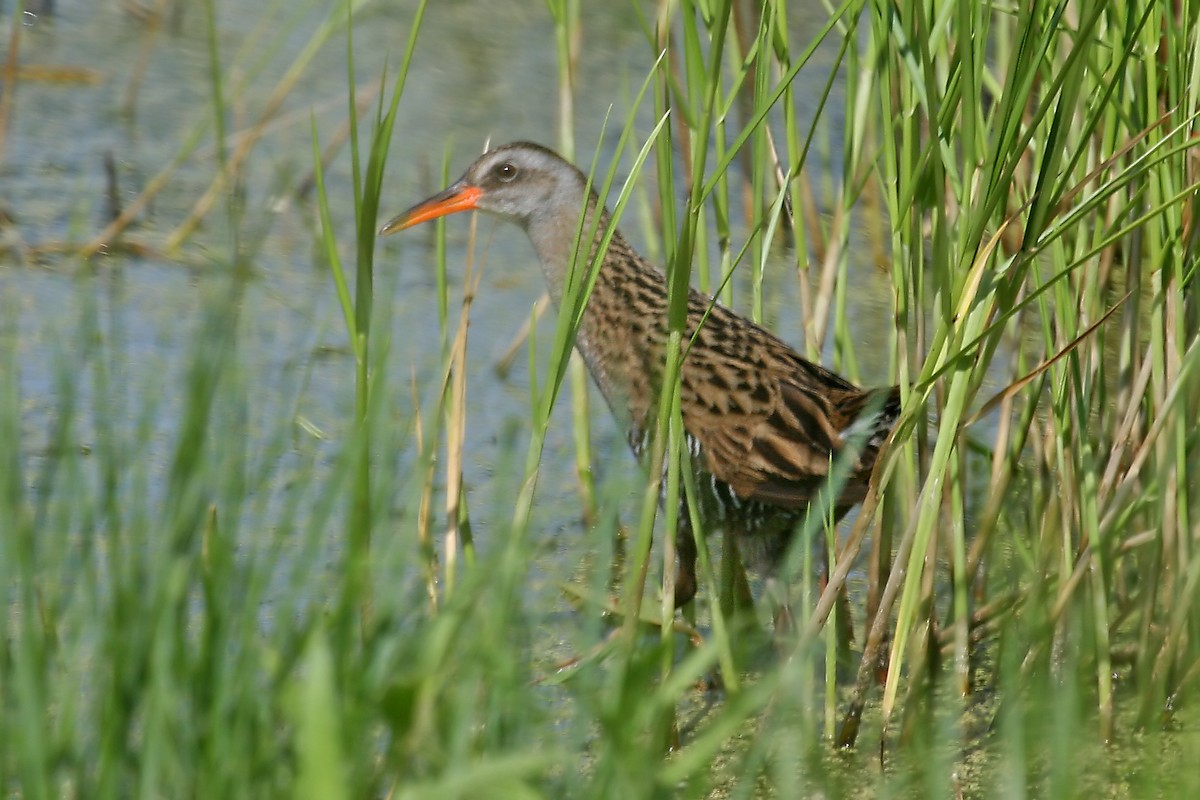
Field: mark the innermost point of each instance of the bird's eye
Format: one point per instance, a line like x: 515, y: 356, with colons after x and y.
x: 506, y: 172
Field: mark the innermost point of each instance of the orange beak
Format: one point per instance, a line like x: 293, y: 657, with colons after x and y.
x: 459, y: 197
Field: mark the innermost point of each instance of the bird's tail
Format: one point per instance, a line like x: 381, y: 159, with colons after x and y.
x: 873, y: 421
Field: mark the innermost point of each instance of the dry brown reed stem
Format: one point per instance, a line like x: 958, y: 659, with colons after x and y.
x: 1004, y: 465
x: 816, y: 240
x: 451, y: 398
x: 104, y: 239
x: 363, y: 100
x: 878, y: 565
x: 1003, y: 461
x: 780, y: 175
x: 877, y: 632
x: 456, y: 414
x: 823, y: 301
x: 1123, y: 435
x: 925, y: 613
x: 846, y: 555
x: 10, y: 84
x: 1013, y: 388
x: 1127, y: 483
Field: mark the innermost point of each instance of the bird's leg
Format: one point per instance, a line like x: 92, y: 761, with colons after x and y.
x: 764, y: 552
x: 841, y: 606
x: 685, y: 554
x: 776, y: 591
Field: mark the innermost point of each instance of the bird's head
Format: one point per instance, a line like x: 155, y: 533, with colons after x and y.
x: 517, y: 182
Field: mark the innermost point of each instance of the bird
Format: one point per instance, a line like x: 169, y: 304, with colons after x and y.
x: 763, y: 425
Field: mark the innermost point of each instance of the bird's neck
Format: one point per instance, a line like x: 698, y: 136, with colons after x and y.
x: 559, y: 241
x: 622, y: 327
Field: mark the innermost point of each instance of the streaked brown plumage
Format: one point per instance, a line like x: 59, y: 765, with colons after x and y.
x: 763, y: 424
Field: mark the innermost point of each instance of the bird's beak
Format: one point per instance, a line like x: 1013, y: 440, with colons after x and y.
x: 458, y: 197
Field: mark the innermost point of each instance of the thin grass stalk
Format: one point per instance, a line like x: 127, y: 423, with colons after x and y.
x: 359, y: 522
x: 449, y: 416
x: 854, y: 164
x: 576, y: 291
x: 676, y: 461
x: 1085, y: 485
x: 923, y: 668
x: 758, y: 161
x: 673, y: 96
x: 702, y: 88
x: 455, y: 410
x: 925, y: 519
x: 216, y: 82
x: 664, y: 103
x: 960, y: 577
x: 921, y: 553
x: 357, y: 313
x: 25, y: 669
x: 833, y: 634
x: 970, y: 63
x: 1172, y: 272
x: 891, y: 150
x: 352, y: 122
x: 567, y: 30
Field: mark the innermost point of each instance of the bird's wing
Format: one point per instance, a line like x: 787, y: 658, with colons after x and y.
x: 771, y: 423
x: 777, y: 451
